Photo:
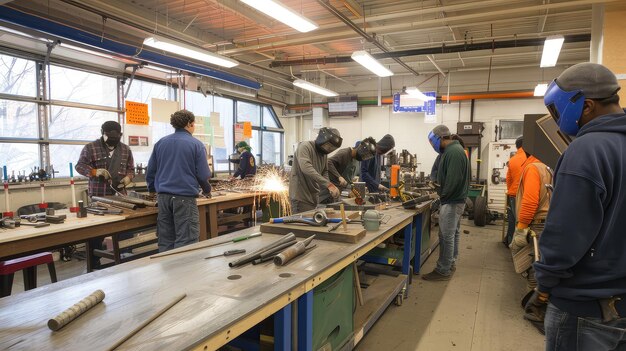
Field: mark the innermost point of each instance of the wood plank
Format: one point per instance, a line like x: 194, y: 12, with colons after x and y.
x: 354, y: 233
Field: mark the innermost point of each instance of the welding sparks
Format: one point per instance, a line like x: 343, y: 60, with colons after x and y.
x: 272, y: 183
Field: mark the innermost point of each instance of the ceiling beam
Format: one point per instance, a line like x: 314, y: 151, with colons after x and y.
x: 353, y: 7
x: 236, y: 7
x: 322, y: 36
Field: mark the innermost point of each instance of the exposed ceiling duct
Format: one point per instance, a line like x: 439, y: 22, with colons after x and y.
x: 516, y: 43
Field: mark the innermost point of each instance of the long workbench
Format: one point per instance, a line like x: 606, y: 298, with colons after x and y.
x: 24, y: 240
x: 221, y: 303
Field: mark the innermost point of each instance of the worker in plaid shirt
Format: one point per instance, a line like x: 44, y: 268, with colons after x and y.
x: 108, y: 163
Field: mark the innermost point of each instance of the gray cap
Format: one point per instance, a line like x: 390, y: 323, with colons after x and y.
x: 441, y: 131
x: 595, y: 81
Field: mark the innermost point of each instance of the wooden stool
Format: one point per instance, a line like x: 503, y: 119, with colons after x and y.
x: 28, y: 265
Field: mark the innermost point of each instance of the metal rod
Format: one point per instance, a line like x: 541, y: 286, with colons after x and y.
x: 257, y: 254
x: 148, y: 321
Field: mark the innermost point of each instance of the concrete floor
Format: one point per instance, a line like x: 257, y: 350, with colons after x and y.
x: 478, y: 310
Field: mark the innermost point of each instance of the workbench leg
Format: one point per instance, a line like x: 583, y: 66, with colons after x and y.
x: 305, y: 322
x: 417, y: 261
x: 406, y: 256
x: 282, y: 329
x: 204, y: 234
x: 212, y: 208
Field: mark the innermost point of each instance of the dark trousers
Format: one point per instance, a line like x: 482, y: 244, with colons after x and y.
x: 299, y: 206
x: 511, y: 218
x: 178, y: 222
x: 566, y: 332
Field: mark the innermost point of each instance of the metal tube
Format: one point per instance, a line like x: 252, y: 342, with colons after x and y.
x: 257, y: 254
x: 114, y: 203
x: 277, y: 249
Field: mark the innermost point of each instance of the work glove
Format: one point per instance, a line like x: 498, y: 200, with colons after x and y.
x: 100, y: 172
x: 334, y: 192
x: 342, y: 182
x: 536, y: 306
x: 124, y: 182
x: 520, y: 239
x: 382, y: 188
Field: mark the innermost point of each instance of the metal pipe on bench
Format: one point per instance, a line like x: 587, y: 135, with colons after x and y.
x: 114, y: 202
x: 257, y: 254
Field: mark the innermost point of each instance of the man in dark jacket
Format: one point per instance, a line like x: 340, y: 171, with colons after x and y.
x: 177, y: 169
x: 342, y: 165
x: 309, y: 172
x: 370, y: 169
x: 582, y: 266
x: 453, y: 179
x: 247, y: 162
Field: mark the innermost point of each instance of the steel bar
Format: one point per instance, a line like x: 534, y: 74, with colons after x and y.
x: 76, y: 310
x: 114, y: 202
x: 257, y: 254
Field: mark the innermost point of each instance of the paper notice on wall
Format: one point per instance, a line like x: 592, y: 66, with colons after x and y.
x: 219, y: 142
x: 430, y: 119
x: 137, y: 113
x: 247, y: 130
x: 163, y: 109
x: 139, y: 137
x: 239, y: 132
x: 215, y: 119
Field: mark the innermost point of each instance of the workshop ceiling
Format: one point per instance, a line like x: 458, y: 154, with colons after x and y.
x: 234, y: 29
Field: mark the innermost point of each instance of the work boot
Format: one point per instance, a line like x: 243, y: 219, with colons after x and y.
x: 436, y: 276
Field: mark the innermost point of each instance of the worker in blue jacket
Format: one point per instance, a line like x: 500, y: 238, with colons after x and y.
x: 247, y: 162
x: 581, y: 272
x: 177, y: 170
x: 371, y: 168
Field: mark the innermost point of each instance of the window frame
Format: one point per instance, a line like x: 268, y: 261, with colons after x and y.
x: 44, y: 105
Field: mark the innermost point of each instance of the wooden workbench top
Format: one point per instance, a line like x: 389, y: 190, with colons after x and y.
x: 221, y: 302
x: 71, y: 222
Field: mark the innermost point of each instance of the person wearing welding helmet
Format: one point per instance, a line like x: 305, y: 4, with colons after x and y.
x: 453, y: 178
x: 109, y: 165
x: 309, y: 172
x: 371, y: 169
x: 581, y: 272
x: 343, y: 163
x: 247, y: 162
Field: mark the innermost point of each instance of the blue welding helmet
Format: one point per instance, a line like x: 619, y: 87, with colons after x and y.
x: 435, y: 141
x: 566, y: 107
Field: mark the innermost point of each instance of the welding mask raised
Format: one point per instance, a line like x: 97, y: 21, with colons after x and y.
x: 365, y: 150
x: 328, y: 140
x: 566, y: 107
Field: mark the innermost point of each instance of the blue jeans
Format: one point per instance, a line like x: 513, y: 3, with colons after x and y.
x: 566, y: 332
x: 178, y: 222
x: 510, y: 214
x: 449, y: 236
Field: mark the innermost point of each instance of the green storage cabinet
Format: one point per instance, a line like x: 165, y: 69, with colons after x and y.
x: 333, y: 311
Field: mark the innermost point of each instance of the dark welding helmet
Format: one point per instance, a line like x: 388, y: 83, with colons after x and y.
x: 328, y: 140
x: 365, y: 150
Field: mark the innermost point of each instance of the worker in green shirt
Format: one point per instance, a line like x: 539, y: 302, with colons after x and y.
x: 453, y: 179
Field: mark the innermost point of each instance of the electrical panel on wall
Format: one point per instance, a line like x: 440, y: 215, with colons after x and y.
x: 320, y: 117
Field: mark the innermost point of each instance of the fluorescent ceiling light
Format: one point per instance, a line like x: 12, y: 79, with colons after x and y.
x: 164, y: 70
x: 314, y: 88
x: 540, y: 89
x: 189, y: 51
x: 283, y: 14
x: 417, y: 94
x: 366, y: 60
x: 87, y: 51
x: 551, y: 50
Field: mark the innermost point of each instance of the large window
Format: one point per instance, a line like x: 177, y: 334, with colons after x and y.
x: 70, y: 123
x: 18, y: 119
x: 17, y: 76
x: 72, y: 85
x: 46, y: 118
x: 144, y: 91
